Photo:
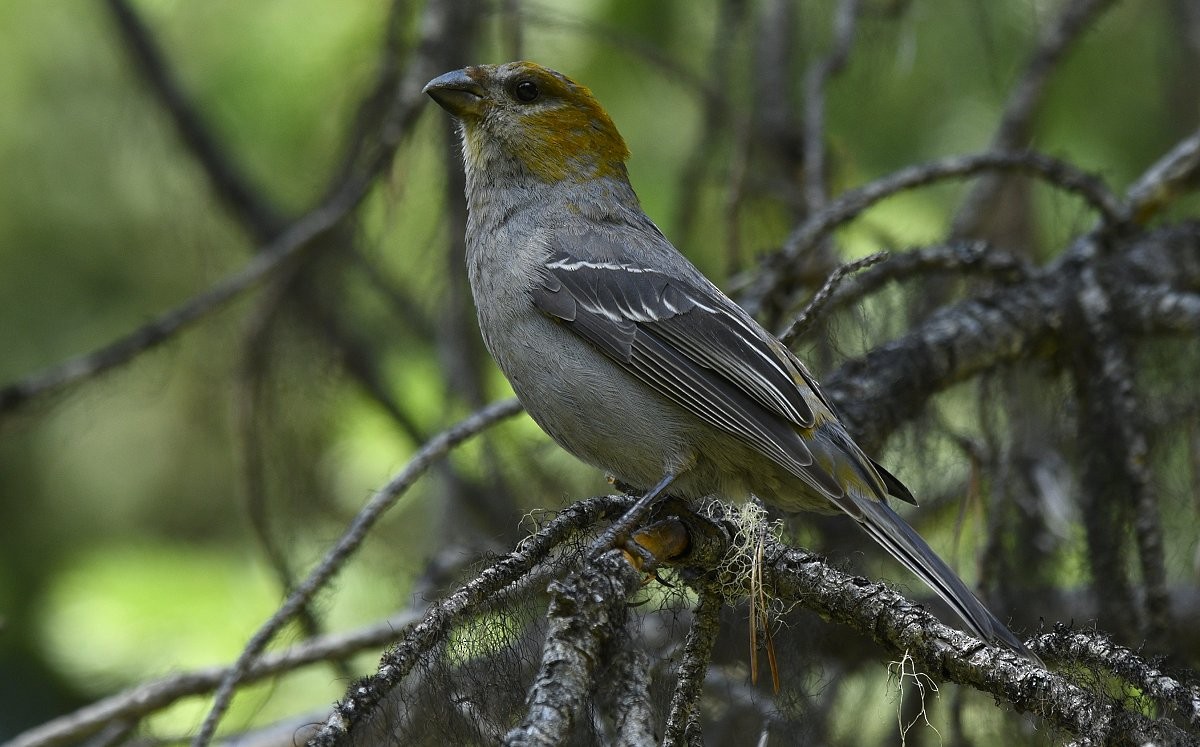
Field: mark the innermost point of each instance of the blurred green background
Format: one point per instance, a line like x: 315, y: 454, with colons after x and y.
x: 125, y: 547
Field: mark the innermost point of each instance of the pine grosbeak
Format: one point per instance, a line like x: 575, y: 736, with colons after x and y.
x: 622, y: 350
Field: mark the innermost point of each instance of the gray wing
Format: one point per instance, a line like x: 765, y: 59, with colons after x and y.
x: 698, y: 350
x: 689, y: 345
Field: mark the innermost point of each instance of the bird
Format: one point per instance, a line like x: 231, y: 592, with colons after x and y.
x: 624, y: 352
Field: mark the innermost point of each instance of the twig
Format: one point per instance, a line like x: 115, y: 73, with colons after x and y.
x: 230, y: 184
x: 364, y: 695
x: 697, y: 653
x: 1166, y: 179
x: 892, y: 384
x: 248, y: 386
x: 233, y: 188
x: 1013, y: 131
x: 1115, y: 471
x: 349, y: 542
x: 960, y: 257
x: 813, y: 309
x: 815, y: 81
x: 272, y: 255
x: 343, y: 196
x: 1054, y: 171
x: 134, y: 704
x: 775, y: 280
x: 360, y: 359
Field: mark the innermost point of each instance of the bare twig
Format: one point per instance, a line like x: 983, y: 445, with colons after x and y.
x: 271, y: 256
x: 349, y: 542
x: 774, y: 281
x: 963, y: 258
x: 230, y: 184
x: 814, y: 307
x: 247, y: 204
x: 362, y: 165
x: 1013, y: 131
x: 1166, y: 179
x: 360, y: 359
x: 1052, y: 170
x: 815, y: 82
x: 247, y: 401
x: 136, y: 703
x: 891, y: 384
x: 1115, y: 470
x: 364, y: 695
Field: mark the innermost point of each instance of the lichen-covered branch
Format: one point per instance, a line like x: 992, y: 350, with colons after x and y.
x: 587, y: 608
x: 697, y: 650
x: 1116, y: 480
x: 357, y: 706
x: 892, y: 384
x: 885, y: 616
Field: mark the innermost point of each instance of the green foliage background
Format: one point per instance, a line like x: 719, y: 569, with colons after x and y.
x: 124, y: 547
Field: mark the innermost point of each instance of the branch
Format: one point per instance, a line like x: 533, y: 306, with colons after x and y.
x: 697, y: 653
x: 363, y: 696
x: 891, y: 384
x: 231, y: 186
x: 132, y: 705
x: 815, y: 81
x: 962, y: 258
x: 1166, y: 179
x: 349, y: 543
x: 267, y: 260
x: 774, y: 282
x: 1016, y: 121
x: 1056, y: 172
x: 905, y: 628
x: 1160, y: 308
x: 362, y: 166
x: 1095, y: 649
x: 587, y: 608
x: 809, y: 314
x: 1116, y: 480
x: 629, y: 687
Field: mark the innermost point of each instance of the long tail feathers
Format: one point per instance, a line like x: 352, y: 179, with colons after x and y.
x: 903, y: 543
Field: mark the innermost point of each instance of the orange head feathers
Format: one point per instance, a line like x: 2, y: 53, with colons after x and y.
x: 521, y: 116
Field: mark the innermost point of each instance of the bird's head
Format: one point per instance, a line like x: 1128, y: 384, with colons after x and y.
x: 525, y: 118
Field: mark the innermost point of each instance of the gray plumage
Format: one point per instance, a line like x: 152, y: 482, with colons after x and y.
x: 623, y: 351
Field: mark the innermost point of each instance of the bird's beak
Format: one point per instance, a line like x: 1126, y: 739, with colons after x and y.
x: 457, y: 92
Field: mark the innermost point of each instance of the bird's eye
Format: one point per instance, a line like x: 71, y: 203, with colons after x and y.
x: 526, y: 91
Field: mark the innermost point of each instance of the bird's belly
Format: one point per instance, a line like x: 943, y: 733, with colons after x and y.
x: 606, y: 417
x: 584, y: 401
